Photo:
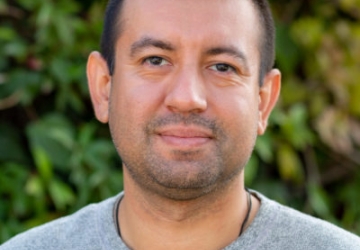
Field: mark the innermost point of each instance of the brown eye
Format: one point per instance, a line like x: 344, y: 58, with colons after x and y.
x: 222, y: 67
x: 156, y: 61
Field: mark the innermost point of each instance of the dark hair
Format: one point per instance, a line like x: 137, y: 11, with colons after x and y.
x: 112, y: 30
x: 267, y: 38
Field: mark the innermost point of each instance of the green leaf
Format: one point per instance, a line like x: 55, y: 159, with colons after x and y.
x: 44, y: 15
x: 42, y: 163
x: 319, y: 201
x: 86, y: 134
x: 251, y: 170
x: 35, y: 187
x: 7, y: 34
x: 288, y: 54
x: 15, y: 48
x: 295, y: 128
x: 55, y: 136
x: 264, y: 147
x: 308, y: 32
x: 289, y: 164
x: 98, y: 154
x: 61, y: 194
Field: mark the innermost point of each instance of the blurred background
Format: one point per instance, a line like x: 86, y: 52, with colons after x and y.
x: 55, y: 157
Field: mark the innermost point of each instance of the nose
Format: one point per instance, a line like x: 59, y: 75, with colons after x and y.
x: 186, y: 93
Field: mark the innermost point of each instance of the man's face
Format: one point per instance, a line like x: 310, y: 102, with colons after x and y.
x: 184, y: 99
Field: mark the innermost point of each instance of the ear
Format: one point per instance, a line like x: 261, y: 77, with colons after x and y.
x: 268, y: 95
x: 99, y: 82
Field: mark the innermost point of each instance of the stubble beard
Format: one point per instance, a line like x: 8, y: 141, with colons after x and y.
x: 187, y: 175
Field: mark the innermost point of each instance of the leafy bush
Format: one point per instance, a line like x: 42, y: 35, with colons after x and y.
x: 55, y: 158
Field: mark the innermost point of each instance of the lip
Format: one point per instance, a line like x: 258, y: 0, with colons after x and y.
x: 185, y: 136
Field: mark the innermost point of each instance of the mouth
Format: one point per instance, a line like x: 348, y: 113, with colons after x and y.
x: 185, y: 136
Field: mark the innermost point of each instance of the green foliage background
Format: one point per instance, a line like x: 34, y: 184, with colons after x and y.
x: 55, y: 157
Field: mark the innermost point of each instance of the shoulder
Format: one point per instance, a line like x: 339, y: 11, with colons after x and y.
x: 280, y: 227
x: 76, y: 231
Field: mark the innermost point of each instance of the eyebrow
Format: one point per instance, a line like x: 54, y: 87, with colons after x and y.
x: 231, y: 51
x: 146, y: 42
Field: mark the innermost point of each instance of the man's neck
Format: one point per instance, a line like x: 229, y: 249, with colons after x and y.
x: 154, y: 222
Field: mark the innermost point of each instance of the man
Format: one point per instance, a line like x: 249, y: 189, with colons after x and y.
x: 186, y: 87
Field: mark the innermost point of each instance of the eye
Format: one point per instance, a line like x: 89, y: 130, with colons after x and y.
x: 223, y: 67
x: 156, y: 61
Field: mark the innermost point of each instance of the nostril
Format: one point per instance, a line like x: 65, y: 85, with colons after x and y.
x: 186, y: 102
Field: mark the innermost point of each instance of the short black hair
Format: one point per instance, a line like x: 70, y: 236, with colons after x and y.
x: 267, y: 37
x: 112, y: 30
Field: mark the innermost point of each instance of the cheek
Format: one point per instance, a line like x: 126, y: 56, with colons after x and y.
x: 238, y: 108
x: 126, y: 120
x: 132, y: 105
x: 239, y: 116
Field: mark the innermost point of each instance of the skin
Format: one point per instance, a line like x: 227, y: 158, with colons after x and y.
x: 184, y: 108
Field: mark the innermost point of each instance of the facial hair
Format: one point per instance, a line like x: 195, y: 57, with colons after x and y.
x: 188, y: 174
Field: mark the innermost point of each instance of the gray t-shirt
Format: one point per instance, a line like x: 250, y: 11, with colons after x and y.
x: 275, y: 227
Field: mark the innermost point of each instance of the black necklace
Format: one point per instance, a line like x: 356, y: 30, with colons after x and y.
x: 117, y: 206
x: 248, y: 211
x: 116, y: 216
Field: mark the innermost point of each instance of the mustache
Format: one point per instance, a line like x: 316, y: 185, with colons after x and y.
x: 187, y: 120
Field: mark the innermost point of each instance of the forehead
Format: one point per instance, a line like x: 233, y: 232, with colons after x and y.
x: 193, y: 22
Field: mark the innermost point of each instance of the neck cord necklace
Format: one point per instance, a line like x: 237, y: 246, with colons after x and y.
x: 116, y: 216
x: 248, y: 211
x: 249, y: 203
